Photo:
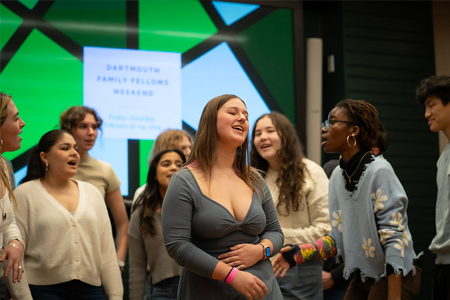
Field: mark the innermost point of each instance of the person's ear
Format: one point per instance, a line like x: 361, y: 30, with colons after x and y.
x: 376, y: 151
x: 43, y: 157
x: 354, y: 130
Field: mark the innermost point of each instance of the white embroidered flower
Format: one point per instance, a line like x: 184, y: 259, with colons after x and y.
x: 377, y: 199
x: 385, y: 234
x: 400, y: 247
x: 368, y: 248
x: 406, y: 238
x: 397, y: 220
x: 337, y: 220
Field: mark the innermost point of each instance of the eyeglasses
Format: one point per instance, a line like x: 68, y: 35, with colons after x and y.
x: 328, y: 123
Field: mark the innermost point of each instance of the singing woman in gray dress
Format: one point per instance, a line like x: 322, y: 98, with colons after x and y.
x: 218, y: 217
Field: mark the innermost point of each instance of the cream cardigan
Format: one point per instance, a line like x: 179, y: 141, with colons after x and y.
x: 313, y: 222
x: 60, y: 247
x: 8, y: 227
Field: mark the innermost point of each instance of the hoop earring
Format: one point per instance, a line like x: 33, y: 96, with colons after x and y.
x: 46, y: 167
x: 354, y: 140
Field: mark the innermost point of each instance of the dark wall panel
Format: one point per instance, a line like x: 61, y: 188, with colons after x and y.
x: 387, y: 50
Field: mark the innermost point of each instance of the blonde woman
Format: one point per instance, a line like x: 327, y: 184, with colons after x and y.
x: 10, y: 128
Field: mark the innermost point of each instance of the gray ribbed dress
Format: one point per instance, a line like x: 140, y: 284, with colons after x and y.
x: 197, y: 230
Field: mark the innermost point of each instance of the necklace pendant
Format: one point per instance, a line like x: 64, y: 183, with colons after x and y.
x: 4, y: 216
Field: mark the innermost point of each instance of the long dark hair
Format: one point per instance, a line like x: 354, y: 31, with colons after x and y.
x: 36, y: 167
x: 151, y: 198
x: 291, y: 177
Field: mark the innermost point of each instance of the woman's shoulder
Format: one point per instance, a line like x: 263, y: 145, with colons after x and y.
x: 257, y: 173
x: 183, y: 173
x: 93, y: 162
x: 89, y: 189
x: 379, y: 171
x: 380, y: 164
x: 311, y: 165
x: 183, y: 178
x: 314, y: 170
x: 23, y: 187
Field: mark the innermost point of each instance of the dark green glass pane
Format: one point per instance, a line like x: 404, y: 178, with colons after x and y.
x: 173, y: 26
x: 91, y: 23
x: 9, y: 22
x: 29, y: 3
x: 269, y: 46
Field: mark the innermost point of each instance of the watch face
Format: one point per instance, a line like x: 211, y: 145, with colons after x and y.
x: 267, y: 251
x: 121, y: 264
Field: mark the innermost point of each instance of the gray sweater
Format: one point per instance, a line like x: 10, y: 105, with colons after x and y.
x: 148, y: 253
x: 440, y: 245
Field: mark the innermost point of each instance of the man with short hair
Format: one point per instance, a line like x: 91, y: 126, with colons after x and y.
x: 434, y: 94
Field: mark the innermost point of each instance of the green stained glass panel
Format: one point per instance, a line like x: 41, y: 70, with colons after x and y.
x: 29, y: 3
x: 145, y: 146
x: 43, y: 80
x: 173, y: 26
x: 91, y: 23
x: 9, y: 22
x: 269, y: 46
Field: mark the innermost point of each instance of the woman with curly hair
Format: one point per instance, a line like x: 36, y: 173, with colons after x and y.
x: 368, y: 208
x: 299, y: 189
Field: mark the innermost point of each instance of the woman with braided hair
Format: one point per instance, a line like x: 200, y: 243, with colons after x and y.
x: 367, y: 209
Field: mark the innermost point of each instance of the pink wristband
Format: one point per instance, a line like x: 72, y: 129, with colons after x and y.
x: 230, y: 276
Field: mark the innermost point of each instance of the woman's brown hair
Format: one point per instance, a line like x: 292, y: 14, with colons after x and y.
x: 204, y: 150
x: 291, y: 177
x: 70, y: 118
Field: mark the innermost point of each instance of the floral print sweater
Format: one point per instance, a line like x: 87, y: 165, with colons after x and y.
x: 370, y: 224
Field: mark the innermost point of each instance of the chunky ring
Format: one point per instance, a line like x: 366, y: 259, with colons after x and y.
x: 20, y: 267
